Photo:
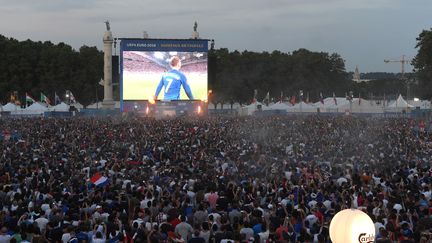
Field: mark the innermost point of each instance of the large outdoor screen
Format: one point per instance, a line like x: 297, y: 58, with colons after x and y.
x: 163, y: 69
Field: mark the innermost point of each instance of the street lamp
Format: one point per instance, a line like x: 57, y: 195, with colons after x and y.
x: 301, y: 100
x: 67, y: 95
x: 350, y: 99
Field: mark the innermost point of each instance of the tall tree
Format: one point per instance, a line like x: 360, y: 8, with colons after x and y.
x: 423, y: 63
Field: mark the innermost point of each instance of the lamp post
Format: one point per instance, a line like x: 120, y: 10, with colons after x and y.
x: 67, y: 95
x: 301, y: 100
x: 350, y: 97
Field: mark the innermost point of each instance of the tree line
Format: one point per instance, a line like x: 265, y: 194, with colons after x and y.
x: 34, y: 67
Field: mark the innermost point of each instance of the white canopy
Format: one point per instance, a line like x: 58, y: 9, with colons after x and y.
x: 37, y: 106
x: 361, y: 106
x: 11, y: 107
x: 279, y: 106
x: 422, y: 104
x: 302, y: 107
x: 400, y: 103
x: 97, y: 105
x: 77, y: 105
x: 60, y: 107
x: 249, y: 109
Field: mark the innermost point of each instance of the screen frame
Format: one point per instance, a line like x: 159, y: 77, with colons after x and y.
x: 163, y: 45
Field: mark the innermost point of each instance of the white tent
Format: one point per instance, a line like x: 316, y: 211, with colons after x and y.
x: 249, y: 109
x: 36, y: 108
x: 60, y: 107
x: 302, y: 107
x: 330, y: 101
x: 11, y: 107
x: 361, y: 106
x: 400, y: 103
x: 279, y: 106
x: 97, y: 105
x: 331, y: 104
x: 236, y: 105
x: 422, y: 104
x: 78, y: 105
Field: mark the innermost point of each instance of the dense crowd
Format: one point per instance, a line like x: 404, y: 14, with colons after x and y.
x: 134, y: 62
x: 217, y: 179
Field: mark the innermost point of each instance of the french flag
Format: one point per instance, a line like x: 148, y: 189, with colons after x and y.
x: 99, y: 180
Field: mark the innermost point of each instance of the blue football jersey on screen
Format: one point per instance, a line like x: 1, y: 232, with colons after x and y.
x: 171, y: 83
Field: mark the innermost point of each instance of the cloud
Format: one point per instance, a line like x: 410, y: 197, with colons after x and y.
x: 357, y: 29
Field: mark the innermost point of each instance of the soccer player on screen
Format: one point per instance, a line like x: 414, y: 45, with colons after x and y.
x: 172, y: 80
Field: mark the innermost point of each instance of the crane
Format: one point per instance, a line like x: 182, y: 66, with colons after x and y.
x: 402, y: 61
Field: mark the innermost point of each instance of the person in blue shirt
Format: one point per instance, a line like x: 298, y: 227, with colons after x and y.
x: 172, y: 81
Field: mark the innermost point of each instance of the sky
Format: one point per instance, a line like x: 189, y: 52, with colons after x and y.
x: 363, y: 32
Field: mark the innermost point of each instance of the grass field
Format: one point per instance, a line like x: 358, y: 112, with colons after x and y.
x: 141, y: 85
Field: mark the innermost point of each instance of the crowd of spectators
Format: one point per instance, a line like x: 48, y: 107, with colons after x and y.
x: 214, y: 179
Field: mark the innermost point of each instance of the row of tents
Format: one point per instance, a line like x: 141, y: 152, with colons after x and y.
x: 338, y: 104
x: 38, y: 108
x: 330, y: 104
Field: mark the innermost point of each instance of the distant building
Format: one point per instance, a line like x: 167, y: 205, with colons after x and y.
x: 356, y: 76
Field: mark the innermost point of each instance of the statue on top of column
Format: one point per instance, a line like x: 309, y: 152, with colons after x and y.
x: 107, y: 25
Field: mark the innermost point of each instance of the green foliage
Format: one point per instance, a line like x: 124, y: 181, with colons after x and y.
x: 233, y: 76
x: 423, y: 63
x: 380, y: 88
x: 36, y: 67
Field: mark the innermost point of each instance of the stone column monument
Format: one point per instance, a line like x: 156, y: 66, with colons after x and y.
x: 108, y: 102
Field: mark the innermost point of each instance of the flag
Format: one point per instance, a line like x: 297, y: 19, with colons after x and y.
x: 321, y: 98
x: 293, y: 100
x: 14, y: 98
x: 29, y: 99
x: 57, y: 99
x: 44, y: 98
x: 334, y: 98
x: 267, y: 98
x: 254, y: 100
x: 99, y: 180
x: 72, y: 98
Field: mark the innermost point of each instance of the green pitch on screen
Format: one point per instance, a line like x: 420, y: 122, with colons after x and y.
x: 142, y: 86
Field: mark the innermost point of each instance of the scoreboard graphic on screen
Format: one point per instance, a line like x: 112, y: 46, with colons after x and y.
x: 163, y: 70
